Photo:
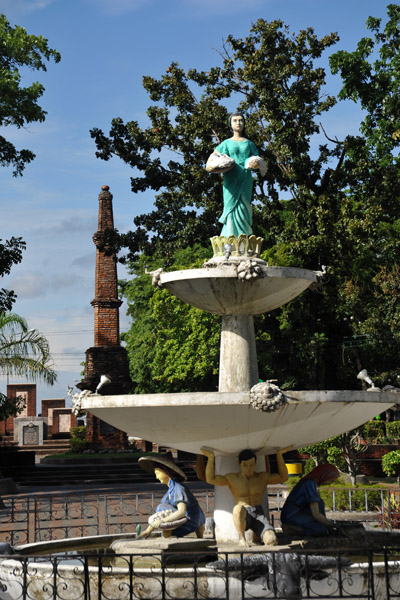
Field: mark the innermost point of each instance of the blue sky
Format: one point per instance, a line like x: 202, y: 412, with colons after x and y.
x: 106, y: 47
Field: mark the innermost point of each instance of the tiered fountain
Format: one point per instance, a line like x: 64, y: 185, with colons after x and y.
x: 244, y: 413
x: 237, y: 284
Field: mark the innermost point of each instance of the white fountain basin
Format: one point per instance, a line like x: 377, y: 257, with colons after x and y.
x: 227, y: 422
x: 218, y: 289
x: 69, y: 580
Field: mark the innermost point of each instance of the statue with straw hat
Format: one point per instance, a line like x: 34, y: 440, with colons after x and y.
x: 178, y: 513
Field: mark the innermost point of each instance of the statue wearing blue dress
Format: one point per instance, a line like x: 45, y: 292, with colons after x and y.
x: 178, y: 513
x: 237, y: 216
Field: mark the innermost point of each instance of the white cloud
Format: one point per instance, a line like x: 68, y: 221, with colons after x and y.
x: 70, y: 225
x: 28, y: 285
x: 68, y: 281
x: 84, y: 262
x: 12, y: 8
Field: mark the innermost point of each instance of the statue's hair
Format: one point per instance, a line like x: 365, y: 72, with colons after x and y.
x: 237, y: 114
x: 246, y: 455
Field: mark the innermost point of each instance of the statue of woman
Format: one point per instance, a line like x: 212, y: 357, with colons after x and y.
x: 304, y: 510
x: 178, y: 513
x: 237, y: 215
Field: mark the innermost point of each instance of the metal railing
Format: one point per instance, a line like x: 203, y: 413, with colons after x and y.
x: 43, y: 518
x: 51, y: 517
x: 212, y: 575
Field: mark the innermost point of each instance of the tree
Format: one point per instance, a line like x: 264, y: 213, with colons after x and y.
x: 335, y: 205
x: 344, y: 451
x: 10, y: 407
x: 271, y: 76
x: 10, y: 254
x: 24, y: 351
x: 172, y: 347
x: 19, y: 105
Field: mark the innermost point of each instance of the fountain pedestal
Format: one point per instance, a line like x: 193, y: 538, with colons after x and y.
x: 238, y: 369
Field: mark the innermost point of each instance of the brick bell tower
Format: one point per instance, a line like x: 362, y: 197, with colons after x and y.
x: 107, y: 356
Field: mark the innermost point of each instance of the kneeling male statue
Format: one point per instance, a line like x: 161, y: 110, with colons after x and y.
x: 247, y: 487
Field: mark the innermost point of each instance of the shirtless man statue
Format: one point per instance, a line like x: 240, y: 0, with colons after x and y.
x: 247, y: 488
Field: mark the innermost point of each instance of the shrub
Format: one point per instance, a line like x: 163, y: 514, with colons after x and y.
x: 393, y: 431
x: 309, y: 465
x: 342, y: 495
x: 374, y: 431
x: 78, y: 442
x: 391, y: 463
x: 357, y: 495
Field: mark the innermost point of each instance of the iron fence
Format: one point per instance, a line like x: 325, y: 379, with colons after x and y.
x: 44, y: 518
x: 210, y: 574
x: 59, y: 516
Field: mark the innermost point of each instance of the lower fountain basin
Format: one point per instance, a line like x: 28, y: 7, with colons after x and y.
x: 69, y: 577
x: 228, y: 423
x: 219, y: 290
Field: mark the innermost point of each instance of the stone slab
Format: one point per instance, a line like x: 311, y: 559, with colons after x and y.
x: 159, y: 544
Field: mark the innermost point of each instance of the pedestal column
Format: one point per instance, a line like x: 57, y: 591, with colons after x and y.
x: 238, y: 372
x: 238, y: 369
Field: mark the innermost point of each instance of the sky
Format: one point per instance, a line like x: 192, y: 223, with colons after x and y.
x: 106, y: 47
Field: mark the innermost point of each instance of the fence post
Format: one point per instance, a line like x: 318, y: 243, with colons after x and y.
x: 31, y: 520
x: 102, y: 521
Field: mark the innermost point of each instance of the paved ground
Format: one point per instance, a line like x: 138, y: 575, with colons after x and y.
x: 103, y: 489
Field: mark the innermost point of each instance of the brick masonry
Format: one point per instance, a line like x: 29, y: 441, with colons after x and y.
x: 60, y: 416
x: 371, y: 459
x: 28, y: 391
x: 107, y: 356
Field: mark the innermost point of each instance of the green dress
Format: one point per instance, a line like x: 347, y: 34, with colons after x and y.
x: 237, y: 216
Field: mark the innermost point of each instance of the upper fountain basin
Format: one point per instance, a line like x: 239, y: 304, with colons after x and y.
x: 220, y: 290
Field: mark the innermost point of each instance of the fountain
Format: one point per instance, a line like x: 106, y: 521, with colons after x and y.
x: 237, y: 284
x: 244, y: 413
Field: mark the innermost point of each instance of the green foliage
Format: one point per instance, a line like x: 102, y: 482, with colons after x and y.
x: 78, y: 442
x: 172, y: 346
x: 344, y: 451
x: 318, y: 452
x: 19, y: 105
x: 391, y: 463
x: 393, y: 431
x: 357, y: 494
x: 10, y: 407
x: 271, y: 77
x: 343, y: 493
x: 24, y: 352
x: 10, y: 254
x: 335, y: 205
x: 91, y: 456
x: 374, y: 432
x: 309, y: 465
